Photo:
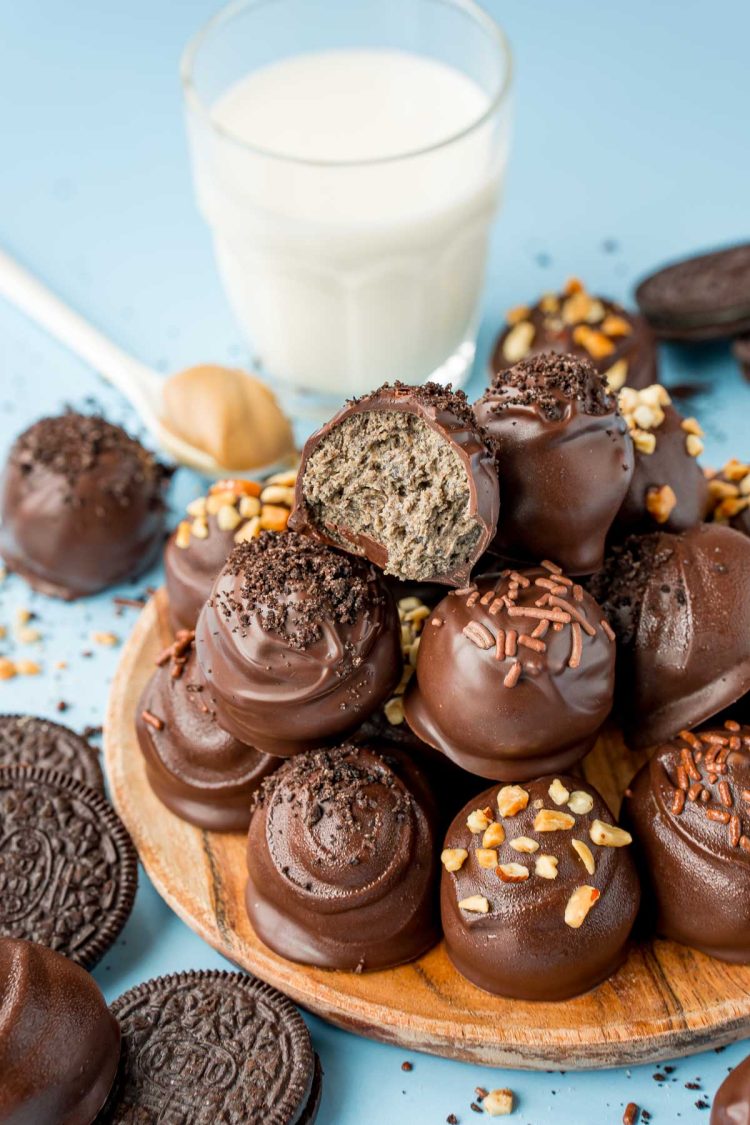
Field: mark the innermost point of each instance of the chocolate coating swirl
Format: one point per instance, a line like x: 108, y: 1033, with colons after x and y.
x: 82, y: 506
x: 695, y: 849
x: 465, y: 700
x: 341, y: 858
x: 59, y: 1044
x: 195, y: 768
x: 288, y: 666
x: 679, y: 607
x: 555, y: 428
x: 522, y: 945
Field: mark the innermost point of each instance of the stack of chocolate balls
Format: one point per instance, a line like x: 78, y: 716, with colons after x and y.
x: 462, y: 596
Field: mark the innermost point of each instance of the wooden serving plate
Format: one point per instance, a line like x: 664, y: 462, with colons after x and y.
x: 666, y: 1000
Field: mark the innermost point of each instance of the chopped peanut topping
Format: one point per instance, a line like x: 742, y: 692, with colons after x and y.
x: 614, y: 325
x: 512, y: 799
x: 551, y: 820
x: 616, y: 375
x: 557, y: 792
x: 494, y: 835
x: 486, y: 857
x: 453, y: 859
x: 478, y: 820
x: 579, y: 905
x: 580, y: 802
x: 585, y: 854
x: 518, y: 341
x: 513, y: 872
x: 524, y: 844
x: 609, y: 835
x: 546, y: 866
x: 475, y: 904
x: 661, y: 502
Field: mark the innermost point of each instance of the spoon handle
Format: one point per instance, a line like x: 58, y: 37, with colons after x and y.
x: 137, y: 382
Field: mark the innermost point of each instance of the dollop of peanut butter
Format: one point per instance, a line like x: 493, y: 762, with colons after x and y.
x: 228, y: 414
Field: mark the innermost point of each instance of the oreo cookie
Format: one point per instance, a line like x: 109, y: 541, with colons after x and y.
x: 29, y: 741
x: 68, y: 868
x: 706, y: 297
x: 213, y: 1046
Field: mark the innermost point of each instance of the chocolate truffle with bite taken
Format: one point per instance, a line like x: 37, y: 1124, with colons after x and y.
x: 689, y: 815
x: 298, y: 644
x: 620, y: 344
x: 729, y: 492
x: 669, y: 488
x: 679, y: 607
x: 732, y: 1102
x: 195, y: 768
x: 342, y: 860
x: 402, y: 476
x: 539, y: 892
x: 233, y: 512
x: 82, y: 506
x: 515, y: 674
x: 59, y: 1043
x: 564, y: 460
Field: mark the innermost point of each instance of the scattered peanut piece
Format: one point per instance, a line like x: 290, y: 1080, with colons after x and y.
x: 453, y: 859
x: 579, y: 904
x: 498, y: 1103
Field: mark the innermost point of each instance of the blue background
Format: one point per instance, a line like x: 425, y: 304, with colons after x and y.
x: 631, y: 145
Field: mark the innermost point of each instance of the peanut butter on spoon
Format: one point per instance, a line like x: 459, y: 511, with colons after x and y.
x: 230, y: 415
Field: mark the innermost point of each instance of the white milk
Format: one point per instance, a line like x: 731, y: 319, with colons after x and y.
x: 361, y: 267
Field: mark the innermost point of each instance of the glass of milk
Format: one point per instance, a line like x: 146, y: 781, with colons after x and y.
x: 348, y: 156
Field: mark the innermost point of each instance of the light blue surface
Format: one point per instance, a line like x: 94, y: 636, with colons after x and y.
x: 632, y: 126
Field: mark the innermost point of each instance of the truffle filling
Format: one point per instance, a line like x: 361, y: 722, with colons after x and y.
x: 389, y: 476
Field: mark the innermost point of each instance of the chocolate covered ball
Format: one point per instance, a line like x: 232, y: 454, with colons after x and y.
x: 539, y: 892
x: 564, y: 460
x: 234, y: 511
x: 688, y: 812
x: 620, y: 344
x: 679, y: 607
x: 515, y: 675
x: 732, y: 1102
x: 668, y: 490
x: 729, y: 492
x: 59, y: 1043
x: 342, y: 860
x: 297, y: 644
x: 403, y: 477
x: 199, y: 771
x: 82, y: 506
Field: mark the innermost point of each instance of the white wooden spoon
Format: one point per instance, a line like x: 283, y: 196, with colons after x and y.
x: 141, y: 385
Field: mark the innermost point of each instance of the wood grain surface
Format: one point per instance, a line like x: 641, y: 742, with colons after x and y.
x: 666, y: 1000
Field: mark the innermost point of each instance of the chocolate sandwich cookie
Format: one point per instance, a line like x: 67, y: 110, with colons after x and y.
x: 688, y: 811
x: 298, y: 644
x: 402, y: 476
x: 195, y: 768
x: 68, y: 869
x: 668, y: 489
x: 539, y: 891
x: 729, y: 493
x: 29, y: 741
x: 732, y: 1102
x: 515, y: 674
x: 234, y: 511
x: 678, y: 605
x: 59, y: 1043
x: 213, y: 1046
x: 342, y: 860
x: 620, y: 344
x: 82, y: 506
x: 564, y: 460
x: 705, y: 297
